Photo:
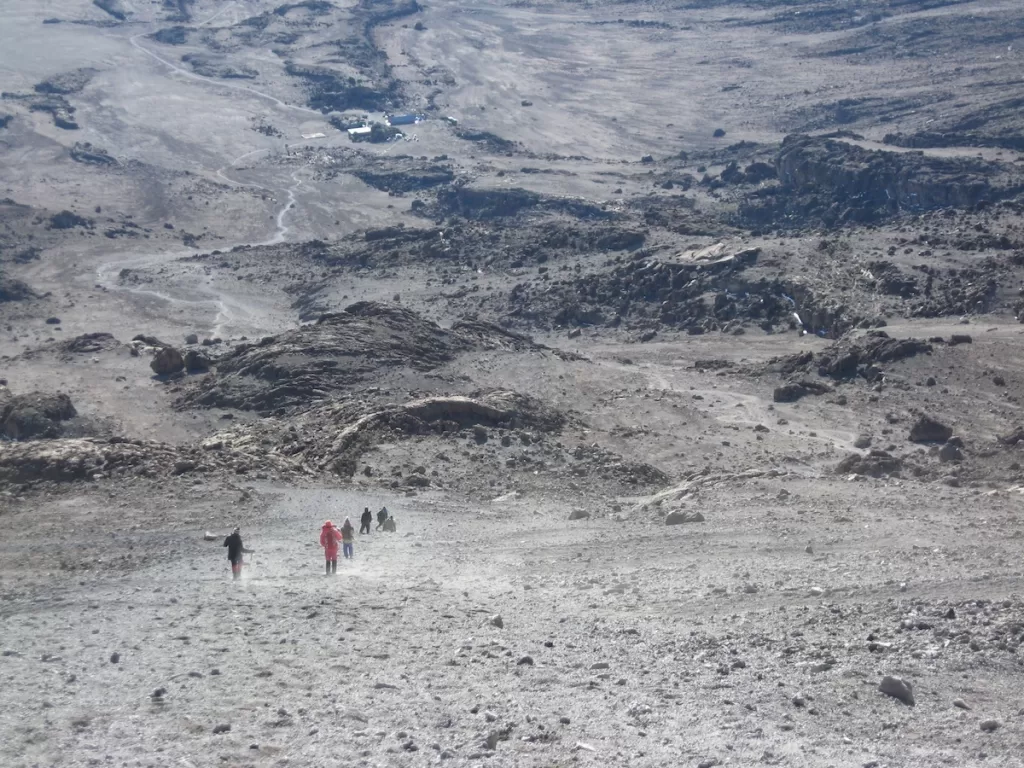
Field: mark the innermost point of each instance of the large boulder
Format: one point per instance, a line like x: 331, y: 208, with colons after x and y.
x: 167, y: 362
x: 681, y: 516
x: 929, y: 430
x: 790, y: 393
x: 35, y: 415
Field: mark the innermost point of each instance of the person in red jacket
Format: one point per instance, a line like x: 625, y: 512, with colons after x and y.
x: 329, y: 538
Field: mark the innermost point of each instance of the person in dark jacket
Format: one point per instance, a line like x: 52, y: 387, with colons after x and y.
x: 235, y: 551
x: 381, y: 517
x: 365, y: 520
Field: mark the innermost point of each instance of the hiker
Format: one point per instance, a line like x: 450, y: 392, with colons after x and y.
x: 365, y: 520
x: 389, y: 524
x: 235, y: 551
x: 347, y: 536
x: 381, y: 517
x: 329, y: 538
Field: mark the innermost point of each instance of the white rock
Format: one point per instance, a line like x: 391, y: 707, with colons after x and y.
x: 897, y: 688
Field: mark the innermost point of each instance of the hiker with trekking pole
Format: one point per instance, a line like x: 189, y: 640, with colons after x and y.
x: 235, y: 551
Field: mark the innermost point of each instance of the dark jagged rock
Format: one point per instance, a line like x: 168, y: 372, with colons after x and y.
x: 874, y: 464
x: 412, y: 180
x: 34, y: 415
x: 73, y: 460
x: 196, y: 362
x: 338, y: 434
x: 1014, y: 437
x: 68, y: 220
x: 929, y: 430
x: 14, y: 290
x: 835, y: 182
x: 952, y: 451
x: 89, y: 343
x: 167, y: 362
x: 298, y: 368
x: 474, y: 203
x: 790, y: 393
x: 851, y: 357
x: 112, y: 7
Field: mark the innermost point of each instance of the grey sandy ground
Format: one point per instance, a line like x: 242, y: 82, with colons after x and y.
x: 648, y: 645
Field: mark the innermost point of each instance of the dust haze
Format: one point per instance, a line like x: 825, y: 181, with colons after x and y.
x: 681, y: 340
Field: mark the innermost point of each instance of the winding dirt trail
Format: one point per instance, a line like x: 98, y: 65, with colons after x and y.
x: 228, y: 310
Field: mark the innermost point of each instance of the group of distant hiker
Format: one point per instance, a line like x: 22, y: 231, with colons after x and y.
x: 330, y: 536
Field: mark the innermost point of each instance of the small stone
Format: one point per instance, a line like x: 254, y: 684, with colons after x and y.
x: 222, y: 728
x: 192, y: 339
x: 489, y: 716
x: 815, y: 592
x: 809, y: 549
x: 158, y: 694
x: 115, y: 657
x: 447, y: 755
x: 579, y: 514
x: 989, y: 725
x: 491, y: 742
x: 897, y: 688
x: 564, y: 720
x: 707, y: 763
x: 798, y: 701
x: 961, y: 704
x: 525, y: 661
x: 600, y: 665
x: 496, y: 621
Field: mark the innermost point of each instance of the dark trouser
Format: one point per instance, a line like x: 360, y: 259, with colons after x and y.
x: 364, y: 528
x: 332, y: 565
x: 380, y: 524
x: 347, y: 548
